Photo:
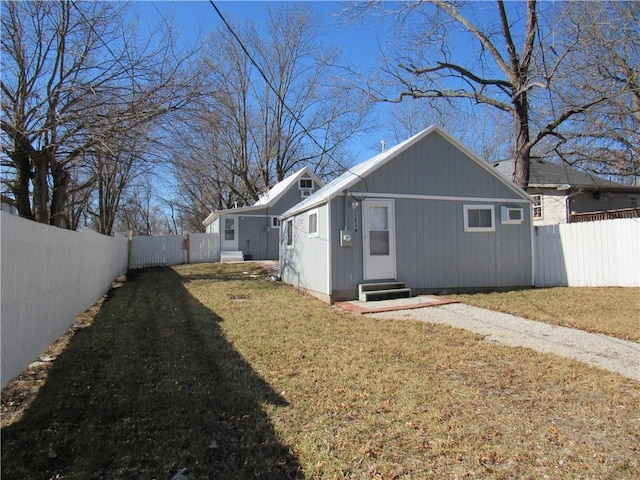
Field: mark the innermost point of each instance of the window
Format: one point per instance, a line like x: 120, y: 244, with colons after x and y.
x: 306, y: 187
x: 289, y: 233
x: 313, y: 224
x: 229, y: 229
x: 512, y: 215
x: 275, y: 222
x: 632, y: 201
x: 479, y: 218
x: 537, y: 205
x: 306, y: 184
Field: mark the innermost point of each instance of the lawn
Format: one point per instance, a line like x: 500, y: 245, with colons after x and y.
x: 612, y: 311
x: 213, y: 368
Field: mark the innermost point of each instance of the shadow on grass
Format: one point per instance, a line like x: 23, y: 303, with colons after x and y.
x: 147, y: 388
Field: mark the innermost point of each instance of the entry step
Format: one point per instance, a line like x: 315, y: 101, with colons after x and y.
x: 231, y: 256
x: 368, y: 292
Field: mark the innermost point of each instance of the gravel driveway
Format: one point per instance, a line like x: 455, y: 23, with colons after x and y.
x: 616, y: 355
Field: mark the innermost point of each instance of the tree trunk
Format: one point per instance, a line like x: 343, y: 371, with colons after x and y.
x: 40, y: 187
x: 20, y: 186
x: 522, y: 151
x: 60, y: 194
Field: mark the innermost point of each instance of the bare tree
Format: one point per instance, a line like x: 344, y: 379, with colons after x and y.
x: 74, y: 78
x: 511, y: 63
x: 248, y: 132
x: 607, y: 138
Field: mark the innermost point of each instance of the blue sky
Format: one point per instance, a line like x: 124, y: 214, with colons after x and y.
x: 194, y: 20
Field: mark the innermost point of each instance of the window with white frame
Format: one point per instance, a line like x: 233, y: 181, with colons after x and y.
x: 313, y: 223
x: 305, y: 185
x: 537, y: 205
x: 288, y: 231
x: 479, y: 218
x: 275, y: 222
x: 512, y: 215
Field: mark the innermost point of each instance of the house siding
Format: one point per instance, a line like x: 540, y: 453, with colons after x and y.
x: 255, y: 237
x: 433, y: 252
x: 430, y: 182
x: 304, y: 265
x: 435, y: 167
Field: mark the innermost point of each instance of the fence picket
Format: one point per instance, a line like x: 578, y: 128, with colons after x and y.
x: 589, y: 254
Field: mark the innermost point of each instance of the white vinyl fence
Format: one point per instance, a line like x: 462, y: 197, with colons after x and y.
x: 174, y: 249
x: 49, y: 276
x: 589, y: 254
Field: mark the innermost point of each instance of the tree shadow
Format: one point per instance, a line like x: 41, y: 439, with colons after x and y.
x: 150, y: 386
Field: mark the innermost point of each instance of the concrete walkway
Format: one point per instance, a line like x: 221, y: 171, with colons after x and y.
x: 609, y: 353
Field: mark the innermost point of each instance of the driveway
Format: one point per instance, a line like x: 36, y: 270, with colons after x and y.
x: 609, y: 353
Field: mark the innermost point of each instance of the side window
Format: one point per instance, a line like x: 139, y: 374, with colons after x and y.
x: 275, y: 222
x: 479, y: 218
x: 537, y: 205
x: 313, y: 224
x: 288, y: 230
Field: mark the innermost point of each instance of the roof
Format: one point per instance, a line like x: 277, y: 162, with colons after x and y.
x: 268, y: 199
x: 545, y: 174
x: 361, y: 170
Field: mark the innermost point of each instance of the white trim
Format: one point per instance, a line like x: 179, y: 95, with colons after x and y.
x: 329, y: 251
x: 286, y: 233
x: 505, y: 215
x: 438, y: 197
x: 391, y: 204
x: 467, y: 228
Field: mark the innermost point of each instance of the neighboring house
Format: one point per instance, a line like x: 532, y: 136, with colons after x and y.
x: 252, y: 232
x: 427, y: 213
x: 563, y: 194
x: 8, y: 205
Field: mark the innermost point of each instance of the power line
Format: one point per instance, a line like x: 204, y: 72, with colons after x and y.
x: 269, y: 84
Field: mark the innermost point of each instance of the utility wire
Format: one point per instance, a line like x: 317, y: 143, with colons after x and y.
x: 270, y: 85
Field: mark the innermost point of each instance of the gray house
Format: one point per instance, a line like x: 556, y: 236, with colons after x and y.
x: 252, y: 232
x: 427, y: 213
x: 562, y: 194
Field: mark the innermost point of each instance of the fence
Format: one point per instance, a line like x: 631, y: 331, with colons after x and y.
x: 49, y: 276
x: 607, y: 215
x: 174, y: 249
x: 589, y: 254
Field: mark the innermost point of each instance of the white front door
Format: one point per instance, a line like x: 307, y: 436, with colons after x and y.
x: 229, y: 234
x: 379, y: 239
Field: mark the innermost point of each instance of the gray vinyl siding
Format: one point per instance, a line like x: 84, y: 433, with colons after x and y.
x: 254, y: 238
x: 346, y: 262
x: 433, y: 252
x: 434, y: 166
x: 438, y: 254
x: 305, y: 265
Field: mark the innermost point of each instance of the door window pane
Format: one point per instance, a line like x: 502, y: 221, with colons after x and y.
x: 378, y: 218
x: 378, y: 243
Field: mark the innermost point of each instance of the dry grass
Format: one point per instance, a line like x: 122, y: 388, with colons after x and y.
x: 612, y: 311
x: 291, y: 388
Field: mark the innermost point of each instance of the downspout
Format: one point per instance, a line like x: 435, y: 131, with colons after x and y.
x: 329, y: 253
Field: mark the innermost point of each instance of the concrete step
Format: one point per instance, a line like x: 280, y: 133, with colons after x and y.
x: 375, y: 295
x: 231, y: 256
x: 382, y: 291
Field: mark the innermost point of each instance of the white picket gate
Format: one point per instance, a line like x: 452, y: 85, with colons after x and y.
x: 164, y: 250
x: 589, y: 254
